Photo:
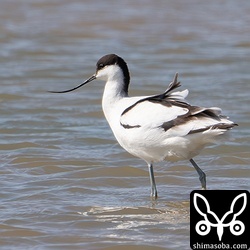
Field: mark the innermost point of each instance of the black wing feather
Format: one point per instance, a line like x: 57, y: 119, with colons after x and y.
x: 160, y: 97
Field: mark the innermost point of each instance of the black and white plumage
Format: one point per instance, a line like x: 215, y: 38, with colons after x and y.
x: 159, y: 127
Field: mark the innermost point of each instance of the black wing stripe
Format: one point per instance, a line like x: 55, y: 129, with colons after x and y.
x: 216, y: 126
x: 188, y: 117
x: 162, y: 98
x: 130, y: 126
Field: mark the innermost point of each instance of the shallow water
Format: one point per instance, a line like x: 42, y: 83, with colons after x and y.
x: 65, y: 182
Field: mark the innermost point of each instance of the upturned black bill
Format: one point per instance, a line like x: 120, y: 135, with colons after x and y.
x: 77, y: 87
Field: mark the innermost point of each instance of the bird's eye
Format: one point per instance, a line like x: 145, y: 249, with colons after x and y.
x: 101, y: 65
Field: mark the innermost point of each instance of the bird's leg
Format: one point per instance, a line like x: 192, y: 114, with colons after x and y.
x: 202, y: 175
x: 152, y: 181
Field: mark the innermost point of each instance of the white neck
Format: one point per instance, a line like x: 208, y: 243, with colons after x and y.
x: 114, y: 88
x: 113, y: 93
x: 114, y: 78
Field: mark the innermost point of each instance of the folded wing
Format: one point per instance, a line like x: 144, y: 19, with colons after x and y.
x: 173, y: 115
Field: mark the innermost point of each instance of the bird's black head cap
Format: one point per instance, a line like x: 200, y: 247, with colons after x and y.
x: 113, y: 59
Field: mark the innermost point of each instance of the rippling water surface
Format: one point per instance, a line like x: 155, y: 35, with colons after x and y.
x: 65, y: 183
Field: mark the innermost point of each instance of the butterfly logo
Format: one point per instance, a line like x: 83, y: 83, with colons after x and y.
x: 203, y: 227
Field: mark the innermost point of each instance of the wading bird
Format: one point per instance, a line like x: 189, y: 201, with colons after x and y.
x: 158, y: 127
